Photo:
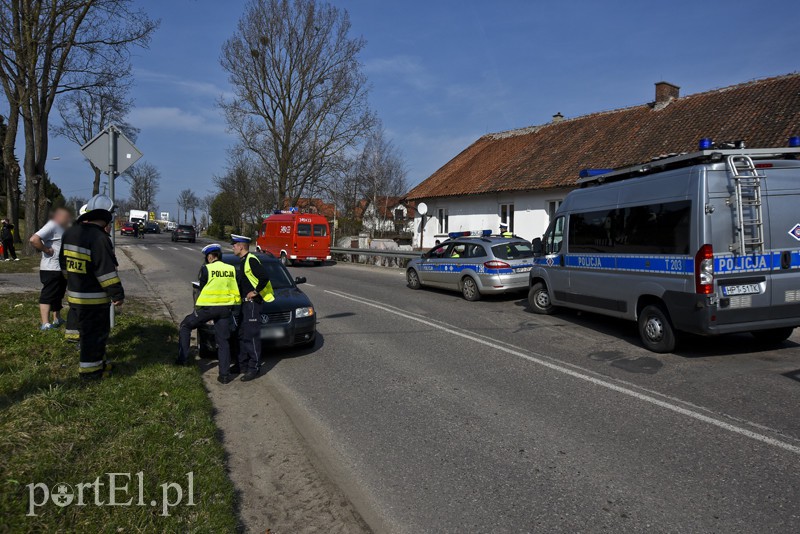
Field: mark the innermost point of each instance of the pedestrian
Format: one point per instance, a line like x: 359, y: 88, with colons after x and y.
x: 255, y: 289
x: 47, y: 240
x: 93, y: 284
x: 135, y: 229
x: 7, y: 238
x: 219, y: 294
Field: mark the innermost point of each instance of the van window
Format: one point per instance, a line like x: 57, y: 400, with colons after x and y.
x: 555, y: 236
x: 649, y: 229
x: 320, y: 230
x: 304, y: 230
x: 264, y: 229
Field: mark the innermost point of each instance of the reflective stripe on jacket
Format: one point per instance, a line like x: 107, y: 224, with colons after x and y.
x: 221, y: 288
x: 268, y: 294
x: 87, y: 259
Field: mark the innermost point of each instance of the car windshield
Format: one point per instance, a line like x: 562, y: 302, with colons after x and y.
x: 515, y: 250
x: 278, y: 275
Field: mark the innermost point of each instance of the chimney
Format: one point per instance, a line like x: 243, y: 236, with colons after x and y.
x: 558, y: 117
x: 666, y: 91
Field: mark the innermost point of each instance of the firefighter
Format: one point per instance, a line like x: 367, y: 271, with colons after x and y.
x: 93, y: 284
x: 219, y: 294
x: 255, y: 289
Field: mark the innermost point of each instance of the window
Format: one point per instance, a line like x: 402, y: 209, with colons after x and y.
x: 552, y: 208
x: 513, y: 251
x: 507, y: 216
x: 474, y: 251
x: 399, y: 215
x: 320, y: 230
x: 264, y: 229
x: 444, y: 223
x: 304, y: 230
x: 649, y: 229
x: 554, y: 236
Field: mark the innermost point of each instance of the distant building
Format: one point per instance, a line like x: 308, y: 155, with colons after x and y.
x: 315, y: 205
x: 519, y: 177
x: 387, y: 216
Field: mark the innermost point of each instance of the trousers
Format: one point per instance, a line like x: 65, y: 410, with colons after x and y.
x: 94, y: 326
x: 250, y: 336
x: 221, y: 315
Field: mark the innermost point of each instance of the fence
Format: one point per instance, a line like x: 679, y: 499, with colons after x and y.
x: 383, y: 258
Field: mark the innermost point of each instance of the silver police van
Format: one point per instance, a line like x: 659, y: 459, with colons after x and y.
x: 474, y: 263
x: 705, y: 242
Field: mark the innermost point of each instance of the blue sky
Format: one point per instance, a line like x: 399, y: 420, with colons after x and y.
x: 445, y: 72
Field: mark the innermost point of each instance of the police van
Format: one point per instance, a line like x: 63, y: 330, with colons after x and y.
x: 705, y: 242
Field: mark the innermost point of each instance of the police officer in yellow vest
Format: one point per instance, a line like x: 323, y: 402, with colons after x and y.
x: 255, y: 289
x: 219, y: 294
x: 504, y: 231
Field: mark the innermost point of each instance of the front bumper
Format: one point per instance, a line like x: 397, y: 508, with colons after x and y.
x: 297, y: 332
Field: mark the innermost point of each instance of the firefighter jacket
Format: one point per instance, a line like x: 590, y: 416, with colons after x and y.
x: 87, y: 258
x: 218, y: 286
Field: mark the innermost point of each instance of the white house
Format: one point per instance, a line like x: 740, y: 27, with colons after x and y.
x: 519, y: 177
x: 390, y: 215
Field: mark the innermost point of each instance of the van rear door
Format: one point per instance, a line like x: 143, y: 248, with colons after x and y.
x: 304, y: 238
x: 782, y: 188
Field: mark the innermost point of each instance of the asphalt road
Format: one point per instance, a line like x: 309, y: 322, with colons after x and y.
x: 437, y: 414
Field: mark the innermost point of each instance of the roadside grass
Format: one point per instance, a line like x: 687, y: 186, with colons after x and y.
x: 26, y: 264
x: 149, y: 417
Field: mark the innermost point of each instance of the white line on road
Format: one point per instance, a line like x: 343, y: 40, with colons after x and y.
x: 189, y: 249
x: 174, y: 248
x: 160, y: 248
x: 144, y: 247
x: 310, y: 285
x: 540, y: 360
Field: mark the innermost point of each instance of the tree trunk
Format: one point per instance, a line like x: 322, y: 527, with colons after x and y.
x: 12, y: 170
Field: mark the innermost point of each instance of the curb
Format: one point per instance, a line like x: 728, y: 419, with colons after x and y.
x: 164, y: 308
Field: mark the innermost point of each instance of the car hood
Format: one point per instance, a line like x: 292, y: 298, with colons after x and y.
x: 286, y: 299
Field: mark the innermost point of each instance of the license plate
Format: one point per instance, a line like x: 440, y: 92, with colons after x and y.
x: 744, y: 289
x: 522, y: 269
x: 272, y: 333
x: 311, y: 258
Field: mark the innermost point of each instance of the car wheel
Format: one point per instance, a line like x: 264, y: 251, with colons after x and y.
x: 539, y: 299
x: 773, y: 336
x: 412, y: 279
x: 285, y: 260
x: 470, y: 289
x: 655, y: 329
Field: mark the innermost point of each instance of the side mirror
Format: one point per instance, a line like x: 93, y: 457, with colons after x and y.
x: 536, y: 247
x: 300, y: 280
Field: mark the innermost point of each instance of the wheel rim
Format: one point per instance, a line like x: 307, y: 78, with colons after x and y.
x: 469, y: 288
x: 654, y: 329
x: 542, y: 299
x: 412, y: 278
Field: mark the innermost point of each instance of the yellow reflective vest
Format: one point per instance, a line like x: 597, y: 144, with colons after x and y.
x: 507, y: 234
x: 268, y: 294
x: 221, y: 288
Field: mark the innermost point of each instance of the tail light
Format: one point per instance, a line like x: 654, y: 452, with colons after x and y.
x: 704, y: 270
x: 496, y: 264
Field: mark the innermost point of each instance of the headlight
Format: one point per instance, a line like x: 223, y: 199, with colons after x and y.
x: 304, y: 312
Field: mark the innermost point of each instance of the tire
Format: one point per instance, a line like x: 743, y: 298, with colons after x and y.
x: 412, y: 279
x: 655, y: 329
x: 773, y: 336
x: 469, y: 289
x: 539, y: 299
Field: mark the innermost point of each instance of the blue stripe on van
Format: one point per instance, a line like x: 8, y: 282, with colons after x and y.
x: 631, y: 263
x: 771, y: 261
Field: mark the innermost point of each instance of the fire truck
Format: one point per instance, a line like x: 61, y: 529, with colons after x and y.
x: 293, y: 236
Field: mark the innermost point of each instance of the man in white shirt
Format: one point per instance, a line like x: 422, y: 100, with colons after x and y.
x: 47, y: 240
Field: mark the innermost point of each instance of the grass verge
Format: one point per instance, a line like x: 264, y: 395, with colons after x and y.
x: 26, y: 264
x: 150, y: 417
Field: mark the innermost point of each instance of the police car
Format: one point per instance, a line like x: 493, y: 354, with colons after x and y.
x: 288, y: 321
x: 474, y: 263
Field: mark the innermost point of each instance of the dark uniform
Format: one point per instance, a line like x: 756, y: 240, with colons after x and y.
x: 253, y: 277
x: 7, y: 238
x: 88, y: 260
x: 219, y: 293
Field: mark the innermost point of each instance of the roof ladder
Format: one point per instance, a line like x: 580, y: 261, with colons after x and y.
x: 746, y: 200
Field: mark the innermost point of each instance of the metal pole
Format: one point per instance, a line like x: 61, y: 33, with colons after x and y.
x: 112, y: 173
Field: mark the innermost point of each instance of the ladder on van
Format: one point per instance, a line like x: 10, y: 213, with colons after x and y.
x: 746, y: 200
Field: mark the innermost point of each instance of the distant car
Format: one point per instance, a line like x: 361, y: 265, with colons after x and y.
x: 184, y: 232
x: 126, y: 228
x: 474, y: 265
x: 152, y: 228
x: 288, y: 321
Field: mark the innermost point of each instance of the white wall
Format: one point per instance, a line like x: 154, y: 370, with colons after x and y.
x: 482, y: 212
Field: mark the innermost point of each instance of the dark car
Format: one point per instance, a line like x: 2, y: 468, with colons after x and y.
x: 184, y: 232
x: 126, y: 228
x: 288, y: 321
x: 152, y: 228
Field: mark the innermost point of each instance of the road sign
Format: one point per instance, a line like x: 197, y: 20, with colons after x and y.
x: 164, y: 215
x: 151, y: 216
x: 98, y: 151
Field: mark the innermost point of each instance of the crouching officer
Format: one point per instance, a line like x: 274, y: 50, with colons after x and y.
x: 219, y: 293
x: 255, y: 288
x: 93, y: 284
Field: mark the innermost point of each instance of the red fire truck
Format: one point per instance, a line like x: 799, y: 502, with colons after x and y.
x: 293, y: 236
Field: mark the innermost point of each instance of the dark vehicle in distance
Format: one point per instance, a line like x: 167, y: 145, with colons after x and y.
x: 184, y: 232
x: 152, y: 228
x: 288, y: 321
x: 126, y: 228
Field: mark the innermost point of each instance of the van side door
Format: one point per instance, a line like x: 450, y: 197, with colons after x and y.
x: 558, y: 275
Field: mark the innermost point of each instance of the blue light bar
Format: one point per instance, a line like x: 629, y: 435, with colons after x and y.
x: 587, y: 173
x: 705, y: 143
x: 794, y: 141
x: 475, y: 233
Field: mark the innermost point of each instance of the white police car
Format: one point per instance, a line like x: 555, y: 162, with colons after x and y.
x: 475, y: 263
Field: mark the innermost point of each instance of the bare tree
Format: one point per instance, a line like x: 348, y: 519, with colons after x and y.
x: 144, y: 180
x: 247, y: 185
x: 187, y: 201
x: 49, y: 48
x: 300, y: 96
x: 84, y: 114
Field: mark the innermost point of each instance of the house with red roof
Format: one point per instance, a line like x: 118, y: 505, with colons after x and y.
x: 519, y: 177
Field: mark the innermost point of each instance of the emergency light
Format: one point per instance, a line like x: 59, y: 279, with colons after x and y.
x: 705, y: 143
x: 586, y: 173
x: 794, y: 141
x: 474, y: 233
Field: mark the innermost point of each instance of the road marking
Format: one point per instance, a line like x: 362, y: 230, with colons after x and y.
x: 540, y: 359
x: 310, y: 285
x: 160, y: 248
x: 174, y: 248
x: 189, y: 249
x: 144, y: 247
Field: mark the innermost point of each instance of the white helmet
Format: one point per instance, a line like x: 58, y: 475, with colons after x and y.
x: 99, y: 207
x: 82, y: 210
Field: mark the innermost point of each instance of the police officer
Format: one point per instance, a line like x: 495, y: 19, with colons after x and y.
x: 93, y: 284
x: 504, y: 230
x: 219, y: 293
x: 255, y: 288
